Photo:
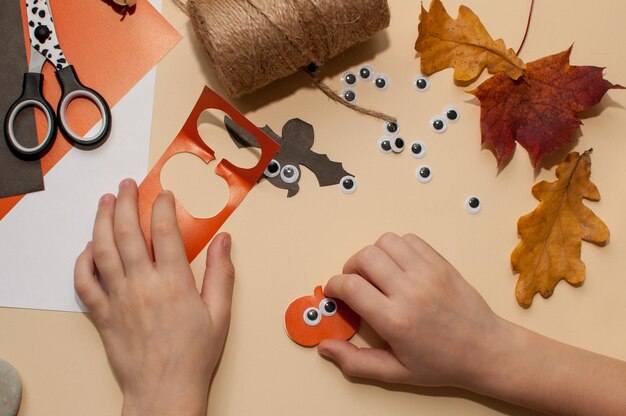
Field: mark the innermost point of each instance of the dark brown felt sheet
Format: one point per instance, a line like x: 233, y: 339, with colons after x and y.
x: 16, y: 176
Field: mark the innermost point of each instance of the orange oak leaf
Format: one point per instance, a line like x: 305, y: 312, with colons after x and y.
x: 539, y: 110
x: 551, y: 235
x: 463, y: 44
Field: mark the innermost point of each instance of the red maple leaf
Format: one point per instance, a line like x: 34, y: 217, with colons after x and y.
x: 540, y: 109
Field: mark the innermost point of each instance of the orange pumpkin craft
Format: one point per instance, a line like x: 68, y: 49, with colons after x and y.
x: 310, y: 319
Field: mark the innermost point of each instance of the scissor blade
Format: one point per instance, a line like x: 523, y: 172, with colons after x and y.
x: 43, y: 34
x: 36, y: 61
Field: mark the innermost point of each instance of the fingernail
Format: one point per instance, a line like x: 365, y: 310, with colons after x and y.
x: 325, y: 353
x: 104, y: 200
x: 227, y: 242
x: 125, y: 183
x: 88, y: 245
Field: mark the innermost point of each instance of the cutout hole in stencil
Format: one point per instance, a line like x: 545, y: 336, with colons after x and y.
x: 195, y: 184
x: 213, y: 132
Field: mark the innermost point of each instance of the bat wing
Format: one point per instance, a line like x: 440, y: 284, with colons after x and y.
x: 327, y: 171
x: 239, y: 135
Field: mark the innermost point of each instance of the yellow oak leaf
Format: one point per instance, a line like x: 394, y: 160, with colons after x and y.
x: 551, y: 235
x: 463, y: 44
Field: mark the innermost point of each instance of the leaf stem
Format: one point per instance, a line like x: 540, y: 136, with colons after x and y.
x: 530, y: 13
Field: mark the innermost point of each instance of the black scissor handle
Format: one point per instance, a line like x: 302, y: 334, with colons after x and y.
x: 31, y: 97
x: 71, y: 88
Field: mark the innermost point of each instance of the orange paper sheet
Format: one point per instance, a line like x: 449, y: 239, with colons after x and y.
x: 110, y: 56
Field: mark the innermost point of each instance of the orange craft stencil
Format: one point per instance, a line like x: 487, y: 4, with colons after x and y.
x: 311, y: 319
x: 196, y: 232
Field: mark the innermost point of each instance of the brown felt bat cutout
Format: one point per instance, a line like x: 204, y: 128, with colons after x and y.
x: 122, y: 7
x: 295, y: 150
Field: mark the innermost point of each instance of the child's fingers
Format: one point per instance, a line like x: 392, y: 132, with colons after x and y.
x: 371, y: 363
x: 169, y: 251
x: 400, y: 251
x: 374, y: 265
x: 423, y: 248
x: 104, y: 250
x: 219, y: 279
x: 129, y: 238
x: 362, y: 297
x: 87, y: 285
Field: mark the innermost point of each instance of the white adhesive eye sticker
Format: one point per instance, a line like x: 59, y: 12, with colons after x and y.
x: 348, y: 184
x: 349, y: 79
x: 418, y: 149
x: 312, y: 316
x: 349, y: 95
x: 272, y: 170
x: 391, y: 127
x: 289, y: 173
x: 451, y: 113
x: 421, y: 83
x: 328, y: 307
x: 381, y: 82
x: 472, y: 204
x: 384, y: 145
x: 366, y: 72
x: 438, y: 124
x: 397, y: 144
x: 424, y: 174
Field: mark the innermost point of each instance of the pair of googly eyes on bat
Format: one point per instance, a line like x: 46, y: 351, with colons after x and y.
x: 290, y: 174
x: 313, y: 316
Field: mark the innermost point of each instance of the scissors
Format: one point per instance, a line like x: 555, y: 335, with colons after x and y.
x: 44, y: 45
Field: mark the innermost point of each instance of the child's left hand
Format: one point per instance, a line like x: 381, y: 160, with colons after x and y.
x: 162, y: 337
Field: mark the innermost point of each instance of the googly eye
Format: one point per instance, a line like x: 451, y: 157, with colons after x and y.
x: 451, y: 113
x: 272, y: 170
x: 348, y: 184
x: 391, y: 127
x: 289, y: 173
x: 424, y: 174
x: 472, y: 204
x: 397, y: 144
x: 384, y: 145
x: 349, y: 79
x: 328, y: 307
x: 418, y: 149
x: 349, y: 95
x: 381, y: 82
x: 312, y: 316
x: 438, y: 124
x: 421, y: 83
x: 366, y: 72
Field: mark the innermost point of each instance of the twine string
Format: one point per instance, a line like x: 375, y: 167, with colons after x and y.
x: 251, y: 43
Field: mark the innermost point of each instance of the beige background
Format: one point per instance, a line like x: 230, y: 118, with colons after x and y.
x: 284, y: 247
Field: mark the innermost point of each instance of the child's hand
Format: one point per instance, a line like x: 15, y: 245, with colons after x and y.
x: 441, y: 332
x: 437, y: 326
x: 162, y: 337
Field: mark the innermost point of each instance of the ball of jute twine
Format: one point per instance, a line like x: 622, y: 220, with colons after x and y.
x: 251, y: 43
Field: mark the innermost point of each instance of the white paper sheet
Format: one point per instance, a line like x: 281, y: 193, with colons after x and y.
x: 43, y: 234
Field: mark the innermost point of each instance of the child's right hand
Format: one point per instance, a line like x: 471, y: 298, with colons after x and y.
x: 439, y: 329
x: 441, y: 332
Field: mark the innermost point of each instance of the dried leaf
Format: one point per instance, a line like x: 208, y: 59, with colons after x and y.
x: 539, y: 110
x: 551, y: 234
x: 463, y: 44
